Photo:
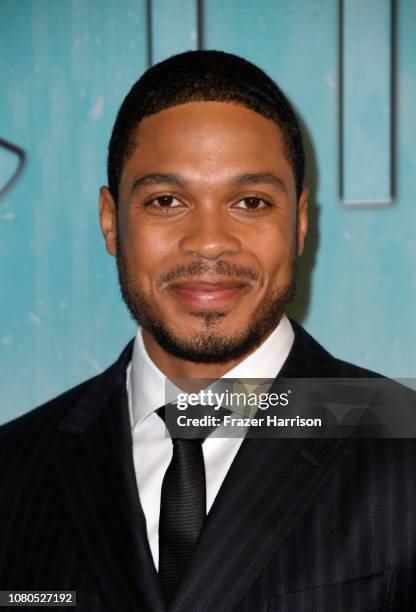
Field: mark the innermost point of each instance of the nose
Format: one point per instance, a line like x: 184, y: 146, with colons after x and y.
x: 210, y: 235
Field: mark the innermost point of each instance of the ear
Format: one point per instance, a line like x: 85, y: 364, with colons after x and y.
x: 108, y: 220
x: 302, y: 224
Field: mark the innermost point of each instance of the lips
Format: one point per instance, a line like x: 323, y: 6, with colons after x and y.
x: 208, y: 295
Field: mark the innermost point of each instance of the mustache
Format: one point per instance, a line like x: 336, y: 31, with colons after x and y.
x: 198, y: 268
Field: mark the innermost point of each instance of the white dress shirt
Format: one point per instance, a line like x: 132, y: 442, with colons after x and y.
x: 152, y: 450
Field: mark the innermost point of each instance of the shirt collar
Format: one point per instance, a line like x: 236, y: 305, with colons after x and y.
x: 146, y: 383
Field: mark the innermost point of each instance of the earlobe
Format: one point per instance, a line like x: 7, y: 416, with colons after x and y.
x: 302, y: 221
x: 108, y: 220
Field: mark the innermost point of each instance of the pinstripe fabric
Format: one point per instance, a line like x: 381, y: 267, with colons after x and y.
x: 298, y: 525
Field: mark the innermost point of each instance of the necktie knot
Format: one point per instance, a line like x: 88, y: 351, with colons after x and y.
x: 189, y: 424
x: 197, y: 422
x: 192, y: 441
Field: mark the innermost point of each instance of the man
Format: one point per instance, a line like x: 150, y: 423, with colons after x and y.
x: 206, y: 214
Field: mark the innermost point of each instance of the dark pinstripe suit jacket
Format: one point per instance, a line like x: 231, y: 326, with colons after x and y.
x: 298, y: 525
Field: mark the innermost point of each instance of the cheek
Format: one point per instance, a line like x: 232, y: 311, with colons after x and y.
x: 148, y: 251
x: 277, y: 251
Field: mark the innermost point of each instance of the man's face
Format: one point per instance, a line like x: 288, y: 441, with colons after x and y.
x: 207, y: 230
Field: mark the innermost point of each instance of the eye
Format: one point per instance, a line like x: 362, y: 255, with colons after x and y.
x: 251, y: 203
x: 164, y: 202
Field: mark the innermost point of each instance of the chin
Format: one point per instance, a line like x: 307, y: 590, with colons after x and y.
x: 212, y: 322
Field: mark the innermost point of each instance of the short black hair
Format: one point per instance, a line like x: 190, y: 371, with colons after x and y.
x: 203, y: 76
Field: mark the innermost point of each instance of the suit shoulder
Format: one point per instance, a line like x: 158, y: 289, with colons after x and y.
x: 49, y: 414
x: 311, y: 359
x: 350, y: 370
x: 46, y: 415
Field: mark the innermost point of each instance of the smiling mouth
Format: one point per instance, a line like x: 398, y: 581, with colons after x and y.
x: 208, y: 295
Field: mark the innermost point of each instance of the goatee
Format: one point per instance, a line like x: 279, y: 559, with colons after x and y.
x: 209, y: 346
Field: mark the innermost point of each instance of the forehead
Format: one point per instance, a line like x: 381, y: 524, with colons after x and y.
x: 210, y: 139
x: 204, y: 121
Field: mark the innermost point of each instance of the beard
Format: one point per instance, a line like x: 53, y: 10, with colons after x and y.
x: 209, y: 346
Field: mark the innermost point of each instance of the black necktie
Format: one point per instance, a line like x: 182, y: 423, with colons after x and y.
x: 182, y: 510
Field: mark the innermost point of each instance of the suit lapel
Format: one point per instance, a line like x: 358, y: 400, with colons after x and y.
x: 269, y: 487
x: 96, y: 474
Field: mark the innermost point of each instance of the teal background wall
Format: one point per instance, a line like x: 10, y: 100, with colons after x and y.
x: 349, y: 68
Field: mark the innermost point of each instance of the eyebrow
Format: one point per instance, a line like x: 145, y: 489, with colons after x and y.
x: 157, y: 179
x: 263, y: 178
